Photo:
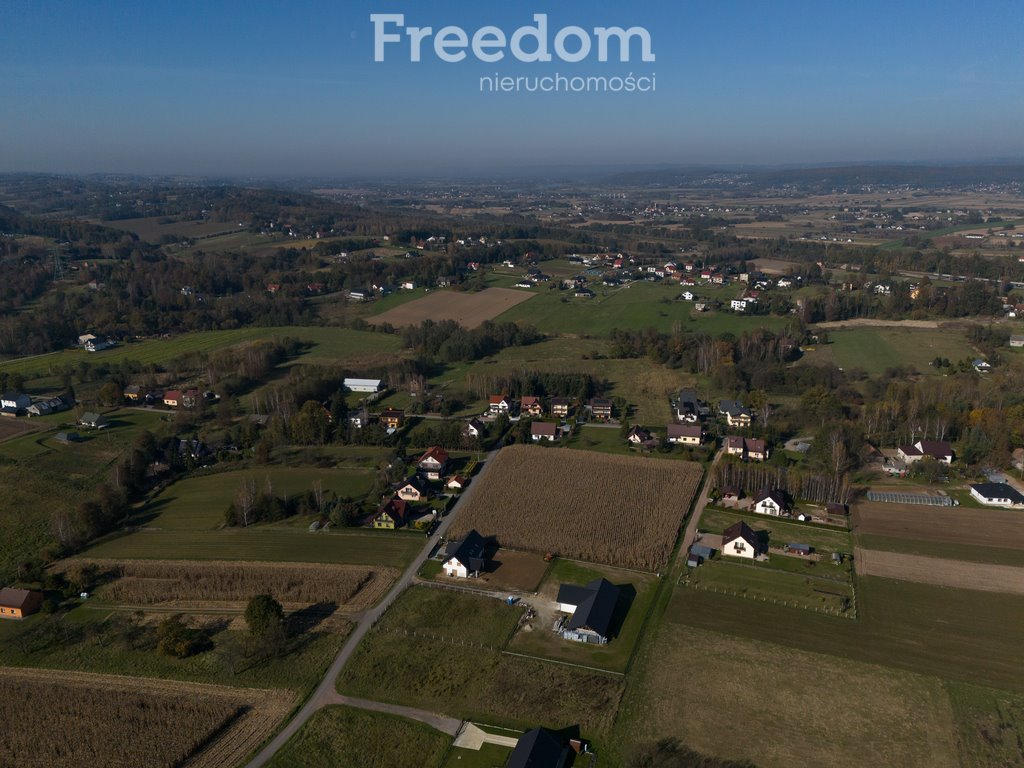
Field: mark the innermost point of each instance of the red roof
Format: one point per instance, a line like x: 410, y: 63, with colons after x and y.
x: 437, y: 453
x: 495, y: 399
x: 14, y: 598
x: 397, y: 509
x: 172, y: 394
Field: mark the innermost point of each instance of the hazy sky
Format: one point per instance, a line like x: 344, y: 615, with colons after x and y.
x: 261, y: 88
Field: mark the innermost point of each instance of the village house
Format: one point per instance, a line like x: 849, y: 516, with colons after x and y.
x: 770, y: 502
x: 997, y: 495
x: 48, y: 406
x: 735, y: 414
x: 13, y: 403
x: 363, y: 385
x: 590, y: 610
x: 560, y: 406
x: 433, y: 463
x: 640, y: 437
x: 466, y: 558
x: 739, y: 540
x: 539, y: 748
x: 688, y: 296
x: 92, y: 420
x: 685, y: 434
x: 474, y: 429
x: 457, y: 483
x: 542, y: 430
x: 939, y: 450
x: 392, y: 418
x: 600, y: 408
x: 172, y: 398
x: 19, y: 603
x: 133, y: 393
x: 531, y: 405
x: 756, y: 449
x: 1017, y: 340
x: 689, y: 407
x: 393, y: 514
x: 412, y: 490
x: 733, y: 446
x: 359, y: 418
x: 499, y: 404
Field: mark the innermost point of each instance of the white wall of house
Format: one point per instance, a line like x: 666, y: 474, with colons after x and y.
x: 454, y: 568
x: 738, y: 548
x: 567, y: 608
x: 767, y: 507
x: 992, y: 502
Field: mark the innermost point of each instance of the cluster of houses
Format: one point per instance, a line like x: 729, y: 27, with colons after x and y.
x: 135, y: 394
x: 90, y: 343
x: 14, y: 404
x: 431, y: 468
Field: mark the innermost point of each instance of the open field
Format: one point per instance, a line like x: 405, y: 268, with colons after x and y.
x: 272, y: 544
x: 615, y: 510
x: 778, y: 707
x: 152, y: 228
x: 763, y: 582
x: 954, y: 634
x: 990, y: 726
x: 112, y: 720
x: 442, y: 651
x: 874, y: 348
x: 1001, y: 528
x: 342, y: 737
x: 199, y: 502
x: 13, y: 427
x: 176, y: 583
x: 636, y: 593
x: 944, y: 573
x: 328, y: 344
x: 948, y: 550
x: 467, y: 309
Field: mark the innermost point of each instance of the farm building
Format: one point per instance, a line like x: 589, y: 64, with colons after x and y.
x: 685, y: 434
x: 531, y: 405
x: 412, y: 490
x: 392, y: 418
x: 363, y: 385
x: 770, y: 502
x: 465, y: 558
x: 837, y: 509
x: 590, y: 610
x: 731, y: 493
x: 997, y: 495
x: 66, y: 438
x: 803, y: 550
x: 48, y: 406
x: 698, y: 554
x: 1017, y: 340
x: 92, y: 420
x: 939, y: 450
x: 433, y: 463
x: 539, y: 748
x: 394, y: 514
x: 19, y: 603
x: 739, y: 540
x: 560, y: 406
x: 12, y: 403
x: 542, y: 430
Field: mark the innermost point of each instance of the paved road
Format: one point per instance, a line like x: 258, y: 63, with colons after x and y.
x: 326, y: 694
x: 698, y: 509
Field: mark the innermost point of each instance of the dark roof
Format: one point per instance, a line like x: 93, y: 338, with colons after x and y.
x: 469, y: 551
x: 539, y: 748
x: 701, y: 551
x: 936, y: 448
x: 681, y: 430
x: 999, y: 491
x: 14, y: 598
x: 595, y: 604
x: 397, y: 510
x: 743, y: 531
x: 768, y: 493
x: 543, y: 429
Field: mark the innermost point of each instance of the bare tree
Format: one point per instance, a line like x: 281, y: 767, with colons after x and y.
x: 245, y: 500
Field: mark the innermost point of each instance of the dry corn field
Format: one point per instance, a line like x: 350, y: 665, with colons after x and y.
x: 54, y: 719
x: 616, y: 510
x: 173, y: 582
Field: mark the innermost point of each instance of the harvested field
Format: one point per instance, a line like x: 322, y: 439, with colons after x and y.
x: 958, y: 525
x: 114, y: 720
x: 941, y: 572
x: 513, y: 570
x: 13, y: 427
x: 467, y: 309
x: 725, y: 696
x: 178, y: 582
x: 615, y: 510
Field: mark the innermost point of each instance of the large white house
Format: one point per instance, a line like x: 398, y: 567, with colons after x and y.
x: 739, y: 540
x: 939, y: 450
x: 770, y: 502
x: 685, y: 434
x: 997, y: 495
x: 465, y: 558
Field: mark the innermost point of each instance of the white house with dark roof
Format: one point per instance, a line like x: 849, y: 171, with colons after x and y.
x: 770, y: 502
x: 997, y: 495
x: 739, y: 540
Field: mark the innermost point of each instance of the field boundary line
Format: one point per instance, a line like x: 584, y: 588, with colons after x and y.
x: 564, y: 663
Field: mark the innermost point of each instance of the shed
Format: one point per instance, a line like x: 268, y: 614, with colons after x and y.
x: 799, y: 549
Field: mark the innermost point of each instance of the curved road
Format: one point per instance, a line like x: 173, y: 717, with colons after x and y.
x: 326, y: 694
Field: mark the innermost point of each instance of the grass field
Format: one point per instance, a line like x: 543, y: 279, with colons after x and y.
x: 342, y: 737
x: 949, y: 633
x: 328, y: 345
x: 990, y: 726
x: 777, y: 707
x: 876, y: 349
x: 953, y: 551
x: 198, y: 503
x: 152, y: 228
x: 762, y: 582
x: 270, y: 543
x: 488, y: 756
x: 467, y: 309
x: 454, y: 664
x: 637, y: 592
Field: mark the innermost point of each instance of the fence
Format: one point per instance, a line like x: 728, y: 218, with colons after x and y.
x: 850, y: 613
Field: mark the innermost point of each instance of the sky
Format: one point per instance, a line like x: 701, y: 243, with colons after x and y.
x: 259, y: 89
